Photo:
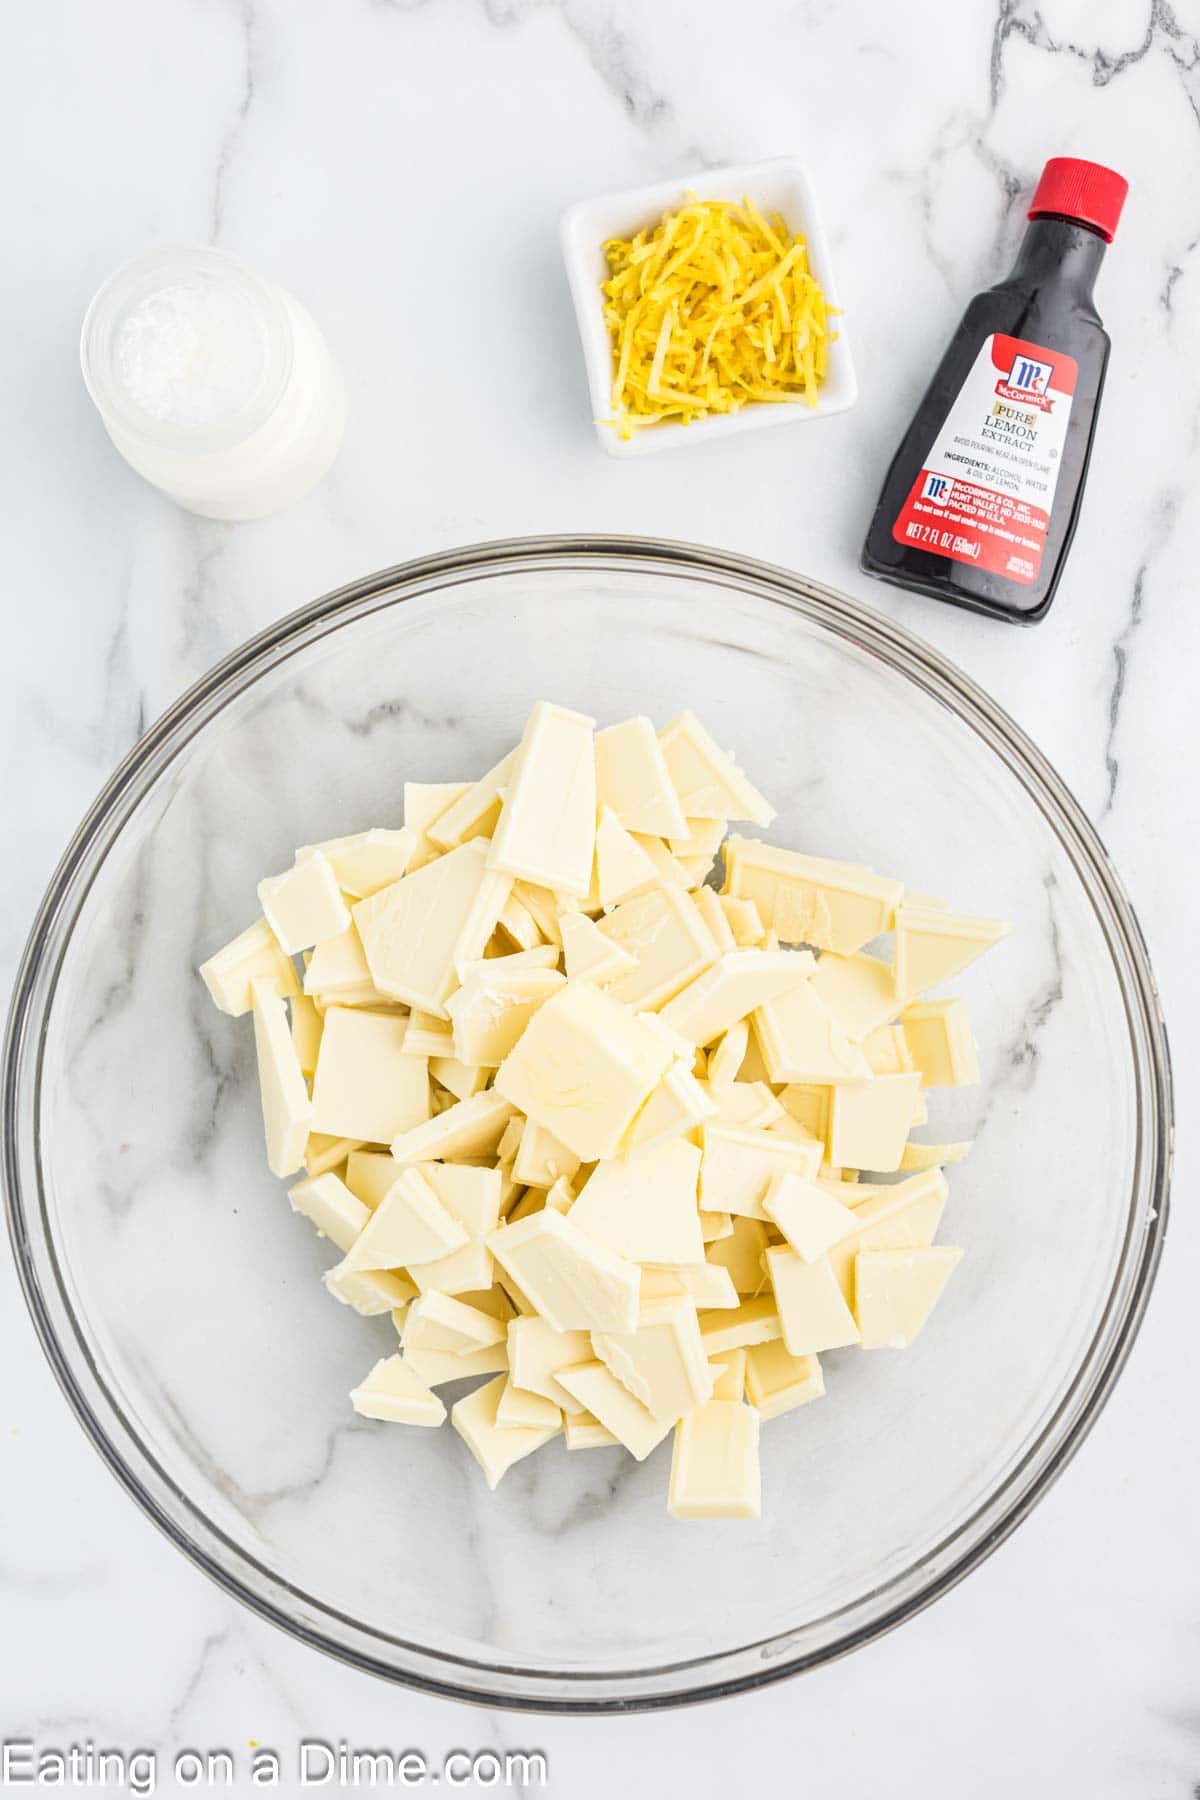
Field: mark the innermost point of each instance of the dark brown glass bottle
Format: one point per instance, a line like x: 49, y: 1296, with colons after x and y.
x: 982, y: 498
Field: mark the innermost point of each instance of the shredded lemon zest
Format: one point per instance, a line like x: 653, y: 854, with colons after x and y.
x: 713, y: 307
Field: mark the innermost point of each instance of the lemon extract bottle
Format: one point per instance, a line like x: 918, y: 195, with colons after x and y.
x: 982, y: 498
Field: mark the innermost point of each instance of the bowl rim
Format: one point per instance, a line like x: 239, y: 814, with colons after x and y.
x: 451, y: 1675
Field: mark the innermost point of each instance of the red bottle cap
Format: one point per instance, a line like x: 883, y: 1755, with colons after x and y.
x: 1086, y: 191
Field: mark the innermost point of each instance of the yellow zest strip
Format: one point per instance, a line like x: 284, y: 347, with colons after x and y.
x: 711, y: 308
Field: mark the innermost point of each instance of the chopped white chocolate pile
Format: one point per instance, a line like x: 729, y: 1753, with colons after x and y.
x: 591, y: 1131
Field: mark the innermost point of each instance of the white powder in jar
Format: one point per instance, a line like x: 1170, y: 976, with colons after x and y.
x: 191, y: 354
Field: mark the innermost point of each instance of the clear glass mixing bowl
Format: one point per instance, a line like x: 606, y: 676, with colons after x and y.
x: 178, y: 1299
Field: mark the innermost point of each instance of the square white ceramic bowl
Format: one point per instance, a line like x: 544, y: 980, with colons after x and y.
x: 780, y: 185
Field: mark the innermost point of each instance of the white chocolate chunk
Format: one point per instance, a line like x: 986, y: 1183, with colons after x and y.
x: 583, y: 1068
x: 409, y: 1226
x: 531, y: 1201
x: 622, y: 866
x: 870, y: 1120
x: 808, y: 1104
x: 668, y: 940
x: 536, y: 1353
x: 428, y: 1036
x: 467, y: 1129
x: 393, y: 1391
x: 366, y: 862
x: 365, y: 1086
x: 801, y: 1041
x: 886, y: 1050
x: 583, y: 1431
x: 561, y: 1195
x: 575, y: 1284
x: 546, y: 832
x: 729, y: 1374
x: 777, y: 1381
x: 663, y: 1362
x: 745, y: 921
x: 645, y: 1209
x: 748, y: 1103
x: 739, y: 1164
x: 439, y: 1322
x: 337, y: 1213
x: 370, y: 1174
x: 287, y: 1114
x: 306, y: 1025
x: 729, y: 1053
x: 713, y: 913
x: 418, y: 932
x: 323, y: 1154
x: 632, y: 778
x: 519, y: 1407
x: 491, y: 1300
x: 544, y: 908
x: 460, y: 1272
x: 253, y: 955
x: 736, y: 985
x: 741, y: 1254
x: 459, y: 1078
x: 472, y: 812
x: 933, y: 946
x: 542, y: 1159
x: 859, y: 991
x: 510, y: 1139
x: 495, y: 1447
x: 695, y: 869
x: 438, y: 1367
x: 810, y: 1219
x: 709, y: 1286
x: 472, y: 1196
x: 668, y: 870
x: 705, y: 1284
x: 809, y: 899
x: 902, y: 1217
x: 932, y: 1156
x: 715, y: 1225
x: 518, y: 925
x: 755, y: 1321
x: 715, y: 1468
x: 789, y: 1128
x: 629, y: 1422
x: 707, y: 780
x: 940, y: 1043
x: 425, y: 801
x: 337, y: 973
x: 703, y: 839
x: 539, y: 956
x: 490, y: 1011
x: 677, y: 1105
x: 371, y: 1292
x: 812, y: 1310
x: 303, y: 905
x: 896, y: 1290
x: 590, y: 955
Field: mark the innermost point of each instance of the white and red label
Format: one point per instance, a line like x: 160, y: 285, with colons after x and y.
x: 987, y: 488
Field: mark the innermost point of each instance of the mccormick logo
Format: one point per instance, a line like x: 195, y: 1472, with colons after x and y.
x: 937, y: 489
x: 1028, y: 381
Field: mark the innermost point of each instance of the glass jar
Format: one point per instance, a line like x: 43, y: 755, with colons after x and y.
x: 214, y: 384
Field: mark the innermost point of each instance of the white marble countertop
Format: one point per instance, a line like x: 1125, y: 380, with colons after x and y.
x: 359, y: 152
